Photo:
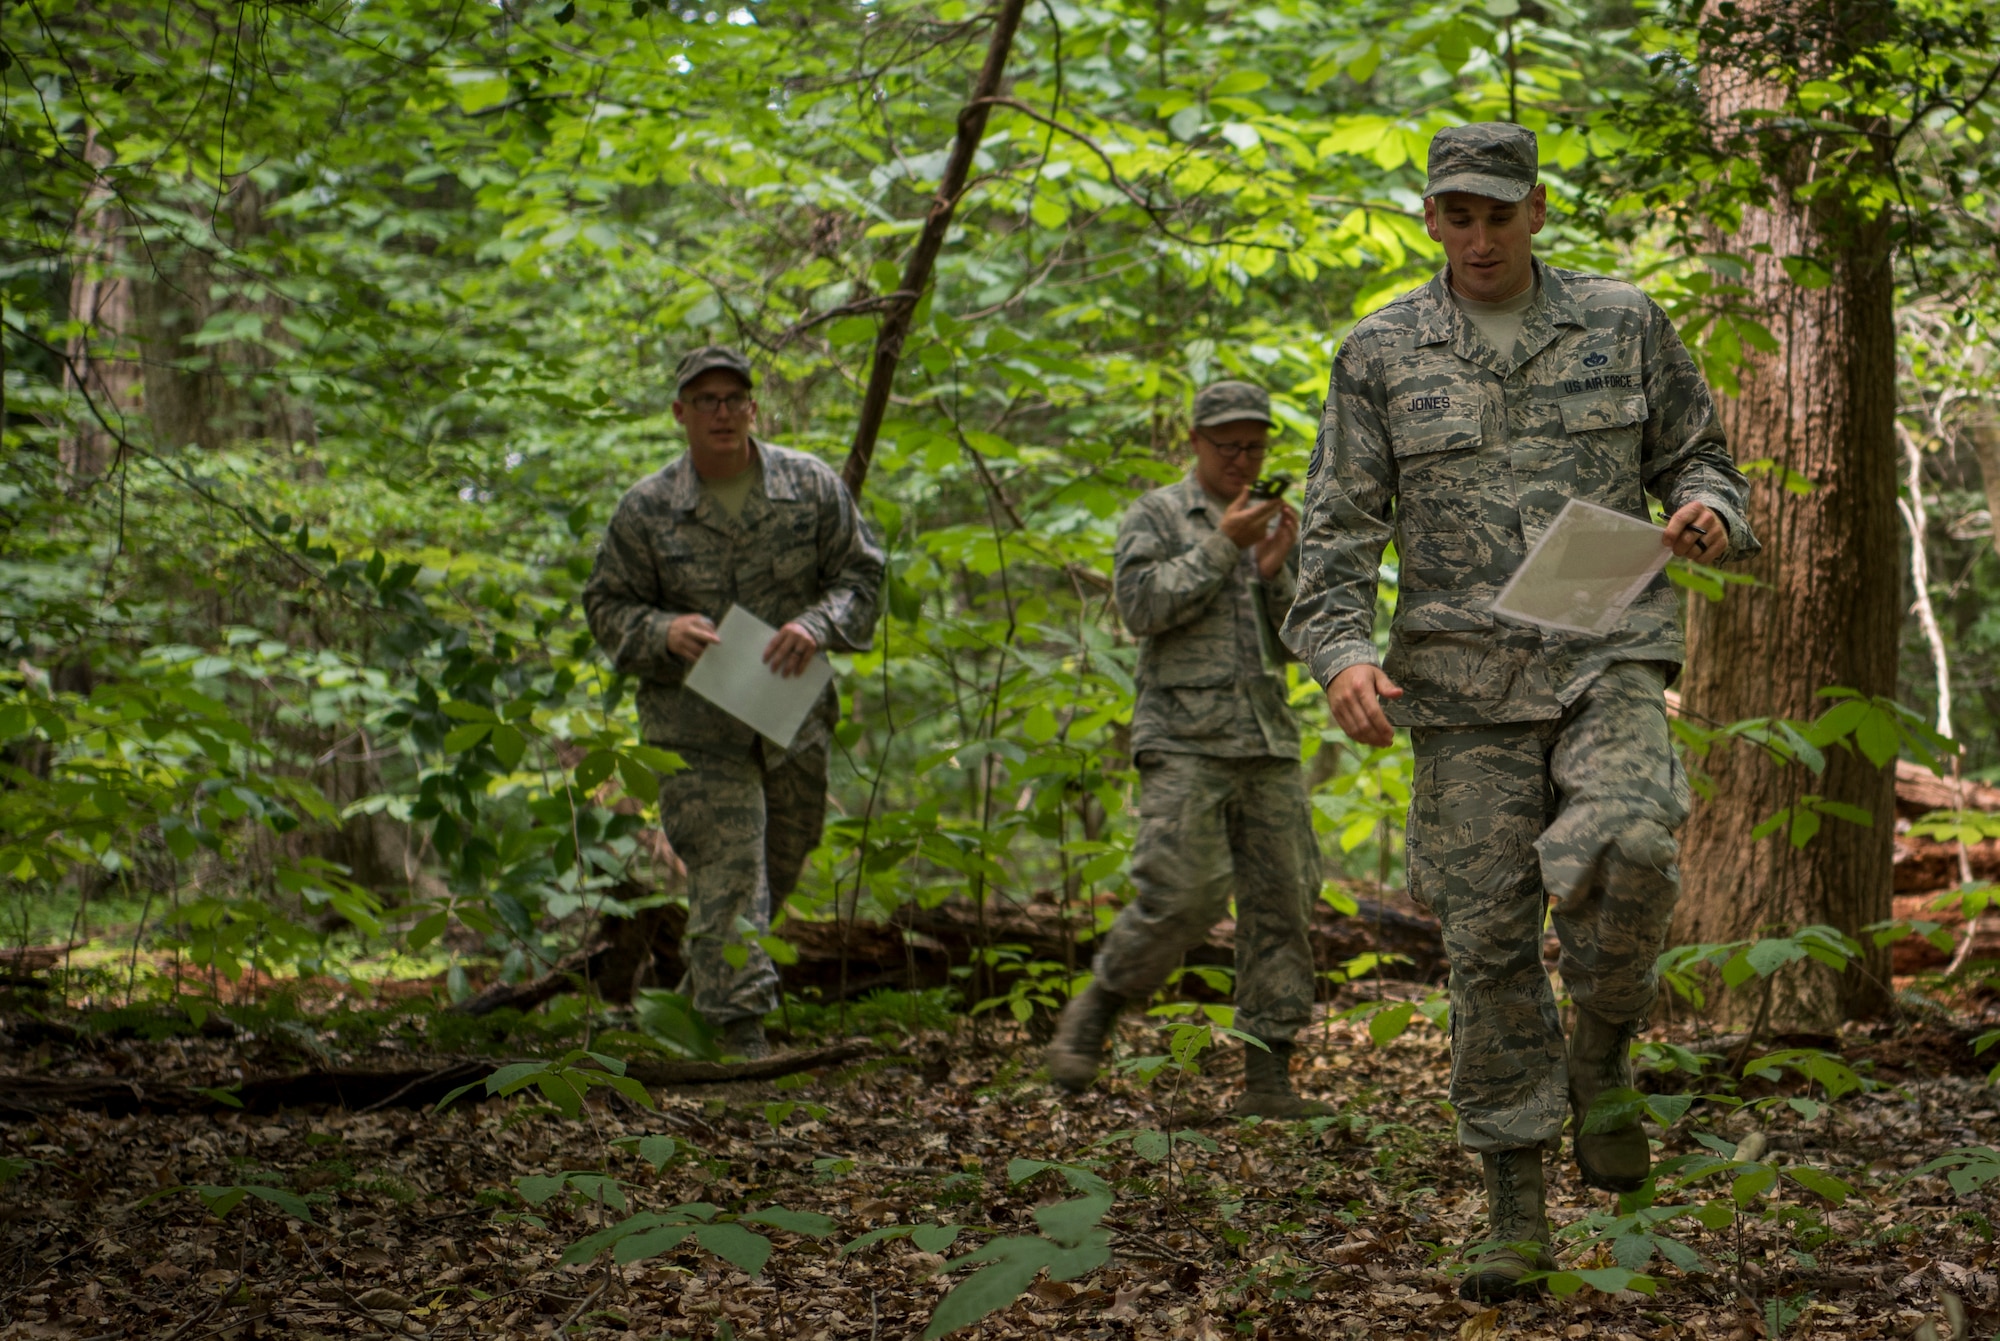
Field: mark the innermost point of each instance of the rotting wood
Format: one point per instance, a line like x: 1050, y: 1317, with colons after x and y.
x: 29, y: 1097
x: 920, y: 948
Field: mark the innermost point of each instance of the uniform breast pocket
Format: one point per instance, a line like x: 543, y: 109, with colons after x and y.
x: 691, y: 578
x: 1419, y: 434
x: 1437, y: 469
x: 1607, y: 425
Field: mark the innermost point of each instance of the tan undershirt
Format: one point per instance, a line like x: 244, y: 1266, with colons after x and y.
x: 1500, y: 323
x: 731, y: 494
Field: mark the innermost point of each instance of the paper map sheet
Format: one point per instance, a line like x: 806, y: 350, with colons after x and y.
x: 732, y: 675
x: 1585, y: 571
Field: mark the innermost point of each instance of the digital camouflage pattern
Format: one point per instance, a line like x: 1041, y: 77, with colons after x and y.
x: 709, y: 358
x: 743, y: 815
x: 1495, y: 159
x: 1211, y: 663
x: 744, y: 824
x: 1231, y: 403
x: 799, y: 552
x: 1210, y: 829
x: 1580, y: 809
x: 1463, y: 455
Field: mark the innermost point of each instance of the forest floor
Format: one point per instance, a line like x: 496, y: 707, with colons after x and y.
x: 1337, y: 1228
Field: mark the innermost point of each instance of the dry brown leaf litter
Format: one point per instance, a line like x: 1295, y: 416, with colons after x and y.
x: 1276, y: 1233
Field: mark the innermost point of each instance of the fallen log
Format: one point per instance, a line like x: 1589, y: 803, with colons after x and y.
x: 921, y: 946
x: 29, y: 1097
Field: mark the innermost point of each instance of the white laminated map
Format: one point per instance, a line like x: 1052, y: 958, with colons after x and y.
x: 732, y: 675
x: 1585, y: 571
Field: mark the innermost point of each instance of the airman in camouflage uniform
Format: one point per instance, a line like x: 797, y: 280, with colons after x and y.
x: 1204, y: 574
x: 1544, y: 767
x: 735, y: 521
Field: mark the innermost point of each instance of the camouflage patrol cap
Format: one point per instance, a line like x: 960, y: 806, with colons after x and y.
x: 1230, y: 403
x: 710, y: 358
x: 1495, y: 159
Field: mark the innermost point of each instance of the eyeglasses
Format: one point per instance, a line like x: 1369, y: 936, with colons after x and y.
x: 706, y: 404
x: 1229, y: 451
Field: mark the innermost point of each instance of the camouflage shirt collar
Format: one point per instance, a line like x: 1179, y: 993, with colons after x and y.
x: 1439, y: 318
x: 1194, y: 498
x: 683, y: 486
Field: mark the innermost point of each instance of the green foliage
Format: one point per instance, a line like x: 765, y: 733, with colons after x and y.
x: 221, y: 1200
x: 1031, y: 983
x: 1739, y: 962
x: 651, y: 1233
x: 1967, y: 1169
x: 670, y: 1019
x: 1072, y: 1243
x: 563, y: 1081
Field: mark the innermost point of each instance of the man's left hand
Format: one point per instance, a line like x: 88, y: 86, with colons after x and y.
x: 1274, y: 548
x: 1695, y: 532
x: 790, y: 650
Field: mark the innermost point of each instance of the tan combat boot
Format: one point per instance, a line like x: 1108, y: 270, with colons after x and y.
x: 1267, y: 1087
x: 1077, y: 1050
x: 1517, y: 1228
x: 1621, y: 1159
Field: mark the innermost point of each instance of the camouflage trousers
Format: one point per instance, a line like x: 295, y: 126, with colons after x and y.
x: 1579, y: 811
x: 745, y: 828
x: 1210, y: 828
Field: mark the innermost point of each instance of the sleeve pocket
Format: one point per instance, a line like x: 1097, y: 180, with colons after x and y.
x: 1594, y: 410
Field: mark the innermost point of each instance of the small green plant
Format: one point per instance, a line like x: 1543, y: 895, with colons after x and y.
x: 1072, y: 1243
x: 563, y: 1082
x: 1032, y: 983
x: 931, y: 1238
x: 221, y: 1200
x: 651, y: 1233
x: 1967, y: 1169
x: 670, y: 1019
x: 1390, y: 1020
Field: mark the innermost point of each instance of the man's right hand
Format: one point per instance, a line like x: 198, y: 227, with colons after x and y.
x: 1246, y: 521
x: 689, y: 636
x: 1355, y: 697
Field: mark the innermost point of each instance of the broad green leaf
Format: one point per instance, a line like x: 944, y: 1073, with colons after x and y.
x: 934, y: 1238
x: 1752, y: 1183
x: 594, y: 768
x: 1819, y: 1183
x: 1878, y: 737
x: 792, y: 1222
x: 1013, y: 1265
x: 462, y: 738
x: 1385, y: 1026
x: 745, y: 1251
x: 536, y: 1188
x: 1068, y: 1221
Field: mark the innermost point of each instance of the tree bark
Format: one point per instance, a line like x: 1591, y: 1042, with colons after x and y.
x: 1984, y: 430
x: 902, y: 304
x: 101, y: 364
x: 1827, y: 610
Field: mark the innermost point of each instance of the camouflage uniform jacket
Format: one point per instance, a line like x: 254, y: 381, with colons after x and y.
x: 1478, y: 450
x: 800, y: 552
x: 1211, y: 665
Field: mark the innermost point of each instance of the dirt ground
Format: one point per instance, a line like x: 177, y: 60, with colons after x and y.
x: 1339, y: 1228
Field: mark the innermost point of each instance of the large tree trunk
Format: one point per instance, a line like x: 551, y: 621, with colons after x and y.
x: 1828, y: 611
